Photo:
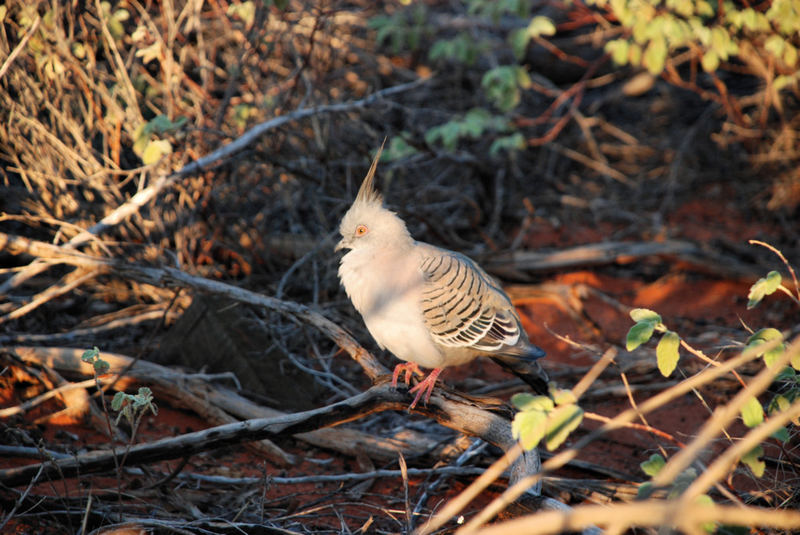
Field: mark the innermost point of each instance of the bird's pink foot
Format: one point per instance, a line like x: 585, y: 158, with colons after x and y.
x: 409, y: 368
x: 425, y: 387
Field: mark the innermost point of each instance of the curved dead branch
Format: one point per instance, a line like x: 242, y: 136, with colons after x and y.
x: 450, y: 410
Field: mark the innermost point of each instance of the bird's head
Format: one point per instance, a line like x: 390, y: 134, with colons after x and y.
x: 367, y: 223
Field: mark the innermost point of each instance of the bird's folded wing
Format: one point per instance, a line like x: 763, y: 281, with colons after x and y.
x: 461, y: 306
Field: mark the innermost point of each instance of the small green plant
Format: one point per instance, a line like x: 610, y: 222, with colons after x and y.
x: 133, y: 407
x: 92, y: 356
x: 399, y: 148
x: 494, y: 9
x: 648, y: 322
x: 542, y: 417
x: 502, y: 85
x: 115, y: 19
x: 130, y: 406
x: 537, y: 27
x: 404, y: 29
x: 473, y: 125
x: 653, y: 466
x: 148, y: 144
x: 462, y: 48
x: 714, y: 32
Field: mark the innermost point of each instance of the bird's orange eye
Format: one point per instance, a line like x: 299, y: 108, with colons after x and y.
x: 361, y: 230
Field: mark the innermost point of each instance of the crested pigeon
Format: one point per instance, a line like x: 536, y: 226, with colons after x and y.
x: 428, y: 306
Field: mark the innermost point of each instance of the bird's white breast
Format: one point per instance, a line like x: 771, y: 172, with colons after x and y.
x: 385, y: 287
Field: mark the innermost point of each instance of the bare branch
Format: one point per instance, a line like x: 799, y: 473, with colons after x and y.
x: 451, y: 410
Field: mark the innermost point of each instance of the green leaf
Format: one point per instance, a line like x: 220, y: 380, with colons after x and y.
x: 763, y: 336
x: 119, y: 399
x: 704, y: 9
x: 78, y: 50
x: 639, y: 334
x: 778, y: 403
x: 781, y: 434
x: 645, y: 490
x: 502, y: 84
x: 752, y: 412
x: 515, y: 141
x: 710, y: 61
x: 161, y: 124
x: 563, y: 396
x: 775, y: 45
x: 644, y: 314
x: 528, y: 427
x: 143, y: 397
x: 667, y: 353
x: 398, y: 149
x: 519, y: 39
x: 763, y: 287
x: 786, y: 374
x: 90, y: 354
x: 523, y: 78
x: 782, y: 81
x: 101, y: 367
x: 141, y: 137
x: 618, y: 49
x: 560, y: 423
x: 655, y: 55
x: 653, y: 465
x: 720, y: 41
x: 635, y: 54
x: 155, y: 150
x: 753, y: 462
x: 246, y: 11
x: 527, y: 402
x: 541, y: 26
x: 790, y: 55
x: 682, y: 482
x: 705, y: 499
x: 795, y: 361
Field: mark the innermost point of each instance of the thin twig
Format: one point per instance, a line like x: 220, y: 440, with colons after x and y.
x: 336, y: 478
x: 19, y: 48
x: 24, y: 495
x: 786, y: 263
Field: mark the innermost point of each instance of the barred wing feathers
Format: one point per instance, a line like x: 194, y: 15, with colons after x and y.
x: 462, y: 307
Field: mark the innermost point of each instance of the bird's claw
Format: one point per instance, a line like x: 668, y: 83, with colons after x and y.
x: 410, y: 368
x: 423, y: 388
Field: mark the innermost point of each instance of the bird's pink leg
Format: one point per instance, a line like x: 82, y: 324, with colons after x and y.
x: 409, y: 368
x: 425, y: 387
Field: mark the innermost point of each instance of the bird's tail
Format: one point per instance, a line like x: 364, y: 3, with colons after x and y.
x: 525, y: 365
